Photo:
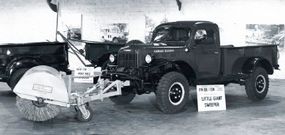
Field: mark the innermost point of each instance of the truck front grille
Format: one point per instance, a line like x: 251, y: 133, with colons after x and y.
x: 127, y: 60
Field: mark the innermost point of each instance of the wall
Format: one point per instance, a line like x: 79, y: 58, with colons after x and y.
x: 35, y: 18
x: 231, y: 15
x: 32, y: 20
x: 26, y: 21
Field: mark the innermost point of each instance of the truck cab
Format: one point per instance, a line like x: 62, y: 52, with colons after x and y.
x: 200, y: 42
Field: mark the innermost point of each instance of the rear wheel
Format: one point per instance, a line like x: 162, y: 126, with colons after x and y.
x: 134, y: 42
x: 257, y: 84
x: 172, y: 92
x: 16, y: 76
x: 115, y: 40
x: 126, y: 97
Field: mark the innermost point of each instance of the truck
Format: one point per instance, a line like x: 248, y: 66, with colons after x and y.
x: 16, y: 59
x: 113, y: 33
x: 184, y: 54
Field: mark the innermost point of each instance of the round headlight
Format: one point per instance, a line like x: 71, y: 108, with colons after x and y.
x: 112, y: 58
x: 148, y: 58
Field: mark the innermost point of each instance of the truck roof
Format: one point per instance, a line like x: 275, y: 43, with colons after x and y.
x: 190, y: 23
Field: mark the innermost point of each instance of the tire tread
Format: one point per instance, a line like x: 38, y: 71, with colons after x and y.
x: 162, y: 93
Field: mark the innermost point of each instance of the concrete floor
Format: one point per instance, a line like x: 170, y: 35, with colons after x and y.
x: 141, y: 117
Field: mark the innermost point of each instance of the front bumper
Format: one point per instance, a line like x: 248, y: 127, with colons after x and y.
x: 127, y: 74
x: 115, y: 75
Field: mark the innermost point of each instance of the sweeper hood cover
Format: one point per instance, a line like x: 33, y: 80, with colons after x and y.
x: 43, y: 82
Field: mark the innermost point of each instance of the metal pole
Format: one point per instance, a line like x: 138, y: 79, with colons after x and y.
x: 81, y: 25
x: 57, y: 16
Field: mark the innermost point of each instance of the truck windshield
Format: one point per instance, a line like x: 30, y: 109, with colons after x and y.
x: 171, y: 35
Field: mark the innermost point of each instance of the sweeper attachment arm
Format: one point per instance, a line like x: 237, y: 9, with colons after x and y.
x: 43, y: 90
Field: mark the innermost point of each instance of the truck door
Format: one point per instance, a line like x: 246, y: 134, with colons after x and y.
x: 206, y: 52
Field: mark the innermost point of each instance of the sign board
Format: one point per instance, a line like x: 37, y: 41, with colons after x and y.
x: 211, y: 97
x: 82, y: 74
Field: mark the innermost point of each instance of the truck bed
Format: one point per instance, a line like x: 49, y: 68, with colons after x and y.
x: 45, y: 53
x: 236, y: 56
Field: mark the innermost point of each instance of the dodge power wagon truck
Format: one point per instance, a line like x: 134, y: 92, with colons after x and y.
x: 188, y: 53
x: 16, y: 59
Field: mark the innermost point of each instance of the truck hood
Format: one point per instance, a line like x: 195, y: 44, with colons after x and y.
x: 150, y: 46
x: 136, y: 47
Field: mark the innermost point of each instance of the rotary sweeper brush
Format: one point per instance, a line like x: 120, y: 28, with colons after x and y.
x: 43, y: 90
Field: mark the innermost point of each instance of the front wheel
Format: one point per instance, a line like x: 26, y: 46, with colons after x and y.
x: 257, y: 84
x: 172, y: 92
x: 87, y: 117
x: 126, y: 97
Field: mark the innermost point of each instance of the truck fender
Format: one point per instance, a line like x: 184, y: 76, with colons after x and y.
x: 163, y: 66
x: 103, y: 59
x: 252, y: 63
x: 188, y: 70
x: 21, y: 63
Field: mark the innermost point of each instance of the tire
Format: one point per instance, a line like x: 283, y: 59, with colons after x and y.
x: 126, y: 97
x: 134, y: 42
x: 115, y: 40
x: 256, y: 86
x: 16, y: 76
x: 172, y: 93
x: 80, y: 116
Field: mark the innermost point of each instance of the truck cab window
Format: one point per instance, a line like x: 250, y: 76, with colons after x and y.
x: 172, y: 36
x: 179, y: 34
x: 203, y: 36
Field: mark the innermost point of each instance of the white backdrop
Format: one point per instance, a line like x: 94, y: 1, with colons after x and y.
x: 33, y: 21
